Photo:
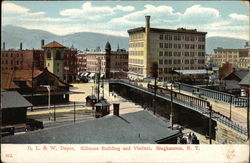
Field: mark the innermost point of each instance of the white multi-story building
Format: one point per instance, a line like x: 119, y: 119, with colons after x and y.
x: 171, y: 49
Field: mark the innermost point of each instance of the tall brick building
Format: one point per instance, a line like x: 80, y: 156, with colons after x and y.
x: 22, y: 59
x: 25, y: 59
x: 114, y: 64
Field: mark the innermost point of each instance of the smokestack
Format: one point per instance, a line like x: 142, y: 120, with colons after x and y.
x: 147, y: 21
x: 3, y: 45
x: 42, y: 43
x: 116, y: 109
x: 21, y: 46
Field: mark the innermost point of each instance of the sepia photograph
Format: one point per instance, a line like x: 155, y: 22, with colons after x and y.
x: 125, y: 81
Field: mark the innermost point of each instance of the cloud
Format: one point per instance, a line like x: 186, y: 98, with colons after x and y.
x: 159, y: 14
x: 94, y: 12
x: 239, y: 17
x: 197, y: 14
x: 13, y: 9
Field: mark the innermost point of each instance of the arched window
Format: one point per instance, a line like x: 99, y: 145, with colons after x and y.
x: 58, y: 55
x: 48, y: 54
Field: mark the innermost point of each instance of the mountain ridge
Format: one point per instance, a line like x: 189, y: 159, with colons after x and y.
x: 31, y: 38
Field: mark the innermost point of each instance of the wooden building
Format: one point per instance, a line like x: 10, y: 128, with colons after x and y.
x: 13, y: 108
x: 21, y: 81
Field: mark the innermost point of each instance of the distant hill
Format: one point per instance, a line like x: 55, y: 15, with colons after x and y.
x: 224, y: 42
x: 13, y: 35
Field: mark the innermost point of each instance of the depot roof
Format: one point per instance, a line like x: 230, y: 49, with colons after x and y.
x: 13, y: 99
x: 133, y: 128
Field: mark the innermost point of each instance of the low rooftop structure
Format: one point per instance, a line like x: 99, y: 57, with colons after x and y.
x: 133, y: 128
x: 13, y: 108
x: 193, y: 72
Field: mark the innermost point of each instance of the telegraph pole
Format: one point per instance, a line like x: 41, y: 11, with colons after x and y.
x: 98, y: 80
x: 248, y: 106
x: 32, y: 83
x: 171, y: 103
x: 231, y: 98
x: 155, y: 75
x: 210, y: 123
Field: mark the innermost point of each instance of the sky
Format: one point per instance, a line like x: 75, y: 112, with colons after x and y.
x: 217, y: 18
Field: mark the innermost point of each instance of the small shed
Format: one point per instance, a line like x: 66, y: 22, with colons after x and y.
x: 245, y: 84
x: 13, y: 108
x: 102, y: 108
x: 91, y: 100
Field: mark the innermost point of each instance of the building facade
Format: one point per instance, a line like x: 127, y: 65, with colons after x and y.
x: 81, y: 63
x: 22, y: 59
x: 70, y: 65
x: 27, y: 59
x: 171, y: 49
x: 110, y: 63
x: 54, y: 58
x: 239, y: 58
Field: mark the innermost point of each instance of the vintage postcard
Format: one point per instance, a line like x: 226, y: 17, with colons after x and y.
x: 125, y: 81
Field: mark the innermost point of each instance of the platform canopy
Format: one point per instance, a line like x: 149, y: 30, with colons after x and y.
x: 193, y: 72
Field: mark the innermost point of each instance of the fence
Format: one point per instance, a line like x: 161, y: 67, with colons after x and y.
x: 220, y: 96
x: 191, y: 102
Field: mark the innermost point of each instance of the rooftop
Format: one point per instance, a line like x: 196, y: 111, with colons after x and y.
x: 237, y: 75
x: 187, y: 72
x: 9, y: 77
x: 53, y: 44
x: 12, y: 99
x: 179, y: 30
x: 133, y: 128
x: 245, y: 80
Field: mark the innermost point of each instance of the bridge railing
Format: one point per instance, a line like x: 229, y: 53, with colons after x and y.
x: 195, y: 103
x: 221, y: 96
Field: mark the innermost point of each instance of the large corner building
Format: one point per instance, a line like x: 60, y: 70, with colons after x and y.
x: 171, y: 49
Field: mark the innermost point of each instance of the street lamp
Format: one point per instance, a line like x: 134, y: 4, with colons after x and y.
x: 48, y: 88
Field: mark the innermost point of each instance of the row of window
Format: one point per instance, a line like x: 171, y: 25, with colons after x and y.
x: 179, y: 38
x: 12, y: 55
x: 11, y: 68
x: 135, y: 53
x: 136, y: 44
x: 136, y: 61
x: 121, y: 63
x: 136, y: 36
x: 168, y: 70
x: 179, y: 61
x: 181, y: 46
x: 178, y: 54
x: 12, y: 62
x: 136, y: 70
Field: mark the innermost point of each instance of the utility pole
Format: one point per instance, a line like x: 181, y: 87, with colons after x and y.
x: 230, y: 116
x: 248, y: 106
x: 210, y: 123
x: 74, y: 112
x: 32, y: 77
x: 155, y: 75
x: 98, y: 80
x: 171, y: 103
x: 54, y: 112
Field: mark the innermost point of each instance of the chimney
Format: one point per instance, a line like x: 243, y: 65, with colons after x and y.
x: 116, y: 109
x: 3, y: 45
x: 246, y: 45
x: 21, y: 46
x: 42, y: 43
x: 147, y: 21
